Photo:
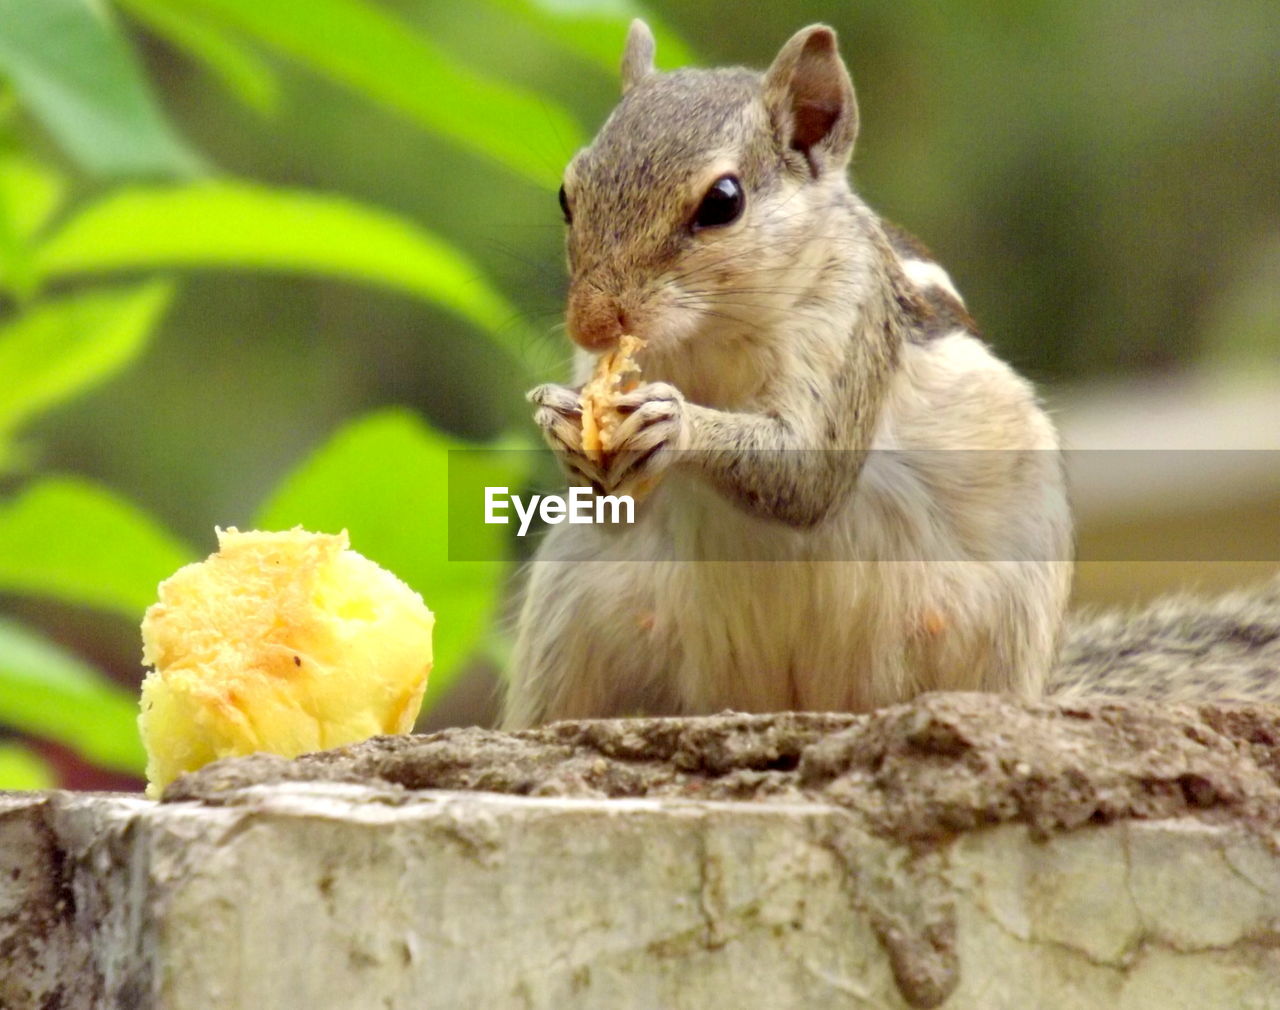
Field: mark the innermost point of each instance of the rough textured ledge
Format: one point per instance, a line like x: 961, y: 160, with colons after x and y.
x: 945, y: 763
x: 963, y: 851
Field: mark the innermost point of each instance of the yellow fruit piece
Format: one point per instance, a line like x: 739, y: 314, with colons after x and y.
x: 599, y: 418
x: 280, y: 642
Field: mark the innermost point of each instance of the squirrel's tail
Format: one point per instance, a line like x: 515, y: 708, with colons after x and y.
x: 1179, y: 649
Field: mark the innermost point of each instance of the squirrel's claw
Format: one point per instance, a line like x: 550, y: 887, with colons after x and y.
x: 652, y: 426
x: 561, y: 399
x: 652, y: 422
x: 559, y: 416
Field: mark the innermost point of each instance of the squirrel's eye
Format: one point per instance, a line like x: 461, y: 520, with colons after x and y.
x: 564, y: 206
x: 722, y: 204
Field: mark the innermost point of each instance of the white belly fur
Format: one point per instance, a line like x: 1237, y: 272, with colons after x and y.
x: 943, y: 571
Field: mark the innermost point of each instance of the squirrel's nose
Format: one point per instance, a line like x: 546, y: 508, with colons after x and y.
x: 594, y: 322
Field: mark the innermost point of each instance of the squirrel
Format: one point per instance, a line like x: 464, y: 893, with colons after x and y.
x: 818, y: 407
x: 850, y: 499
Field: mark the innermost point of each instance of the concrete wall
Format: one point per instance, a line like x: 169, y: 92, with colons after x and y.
x: 328, y: 883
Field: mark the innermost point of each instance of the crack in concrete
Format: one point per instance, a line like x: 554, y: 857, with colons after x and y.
x: 711, y: 892
x: 841, y: 984
x: 1147, y: 939
x: 1034, y: 940
x: 907, y: 906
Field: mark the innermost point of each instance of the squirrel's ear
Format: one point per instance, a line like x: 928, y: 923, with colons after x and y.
x: 810, y: 98
x: 637, y: 55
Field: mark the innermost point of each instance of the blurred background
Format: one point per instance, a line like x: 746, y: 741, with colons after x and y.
x: 264, y: 262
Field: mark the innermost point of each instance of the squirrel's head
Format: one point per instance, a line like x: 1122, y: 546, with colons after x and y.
x: 694, y: 209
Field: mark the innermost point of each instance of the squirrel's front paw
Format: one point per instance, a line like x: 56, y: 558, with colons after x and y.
x: 559, y: 416
x: 652, y: 429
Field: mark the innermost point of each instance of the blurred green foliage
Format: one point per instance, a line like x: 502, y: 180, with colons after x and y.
x: 21, y: 769
x: 75, y: 72
x: 382, y: 476
x: 204, y: 323
x: 53, y: 695
x: 235, y: 224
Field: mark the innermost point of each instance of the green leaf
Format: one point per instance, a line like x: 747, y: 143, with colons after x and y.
x: 243, y: 73
x: 74, y: 71
x: 74, y: 541
x: 29, y: 195
x: 233, y: 224
x: 384, y: 478
x: 597, y: 29
x: 22, y: 769
x: 49, y: 693
x: 59, y: 348
x: 366, y: 48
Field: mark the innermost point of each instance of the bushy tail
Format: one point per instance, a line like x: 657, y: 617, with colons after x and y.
x: 1179, y: 649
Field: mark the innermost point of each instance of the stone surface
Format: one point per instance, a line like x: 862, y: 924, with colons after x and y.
x: 963, y: 852
x: 917, y: 772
